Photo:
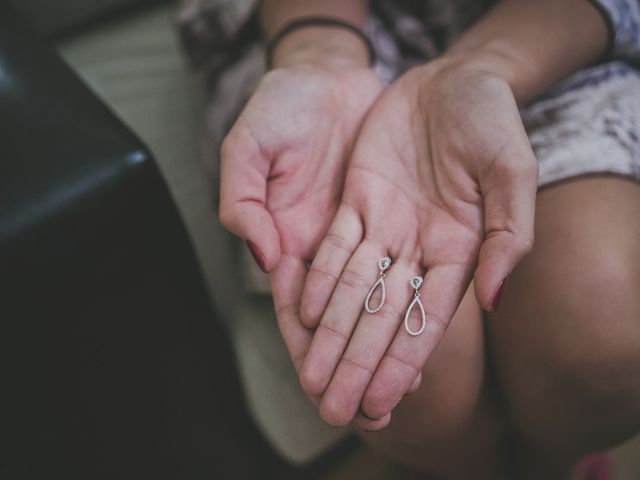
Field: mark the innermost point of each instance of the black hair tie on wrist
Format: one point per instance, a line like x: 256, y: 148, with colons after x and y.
x: 318, y: 22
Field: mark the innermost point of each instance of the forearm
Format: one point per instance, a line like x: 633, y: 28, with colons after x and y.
x: 534, y: 43
x: 319, y: 45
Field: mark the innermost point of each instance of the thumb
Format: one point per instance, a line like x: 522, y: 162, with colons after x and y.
x: 509, y: 192
x: 243, y: 192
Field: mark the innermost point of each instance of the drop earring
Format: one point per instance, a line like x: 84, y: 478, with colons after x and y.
x: 416, y: 283
x: 383, y: 265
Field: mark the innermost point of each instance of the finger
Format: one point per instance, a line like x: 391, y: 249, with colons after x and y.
x: 340, y: 317
x: 334, y: 252
x: 509, y: 192
x: 370, y: 340
x: 286, y: 282
x: 243, y: 190
x: 286, y: 286
x: 440, y: 294
x: 370, y: 424
x: 367, y: 424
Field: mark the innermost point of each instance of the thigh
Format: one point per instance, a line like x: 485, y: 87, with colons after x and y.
x: 449, y: 427
x: 566, y: 340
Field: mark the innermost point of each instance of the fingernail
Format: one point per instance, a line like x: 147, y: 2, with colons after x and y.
x: 257, y: 255
x: 495, y: 302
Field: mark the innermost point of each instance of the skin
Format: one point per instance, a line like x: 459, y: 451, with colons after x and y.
x: 564, y: 345
x: 284, y: 161
x: 435, y: 171
x: 447, y: 191
x: 452, y: 426
x: 566, y: 340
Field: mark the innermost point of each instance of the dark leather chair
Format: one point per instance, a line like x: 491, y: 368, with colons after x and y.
x: 112, y: 365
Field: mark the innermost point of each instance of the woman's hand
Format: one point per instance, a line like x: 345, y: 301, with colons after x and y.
x: 443, y: 180
x: 284, y: 161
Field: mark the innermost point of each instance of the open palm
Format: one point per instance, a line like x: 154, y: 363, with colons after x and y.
x: 283, y: 167
x: 443, y: 181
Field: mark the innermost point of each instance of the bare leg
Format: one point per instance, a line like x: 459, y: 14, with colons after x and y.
x: 566, y: 344
x: 449, y: 427
x: 566, y: 340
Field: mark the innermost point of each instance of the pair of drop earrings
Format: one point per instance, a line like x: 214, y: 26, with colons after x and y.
x: 416, y: 282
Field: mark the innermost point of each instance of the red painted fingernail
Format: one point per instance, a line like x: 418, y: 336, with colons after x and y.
x: 257, y: 255
x: 495, y: 302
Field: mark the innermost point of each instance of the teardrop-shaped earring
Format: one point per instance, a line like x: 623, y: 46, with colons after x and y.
x: 416, y: 283
x: 383, y: 264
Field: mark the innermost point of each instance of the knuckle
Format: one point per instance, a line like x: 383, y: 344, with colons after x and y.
x: 334, y: 331
x: 437, y: 320
x: 353, y: 280
x: 314, y: 270
x: 413, y: 369
x: 357, y: 364
x: 288, y: 310
x: 337, y: 241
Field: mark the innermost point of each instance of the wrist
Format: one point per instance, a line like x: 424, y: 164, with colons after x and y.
x: 499, y: 60
x: 532, y: 45
x: 321, y: 46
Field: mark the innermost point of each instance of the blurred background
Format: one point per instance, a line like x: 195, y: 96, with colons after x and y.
x: 128, y: 348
